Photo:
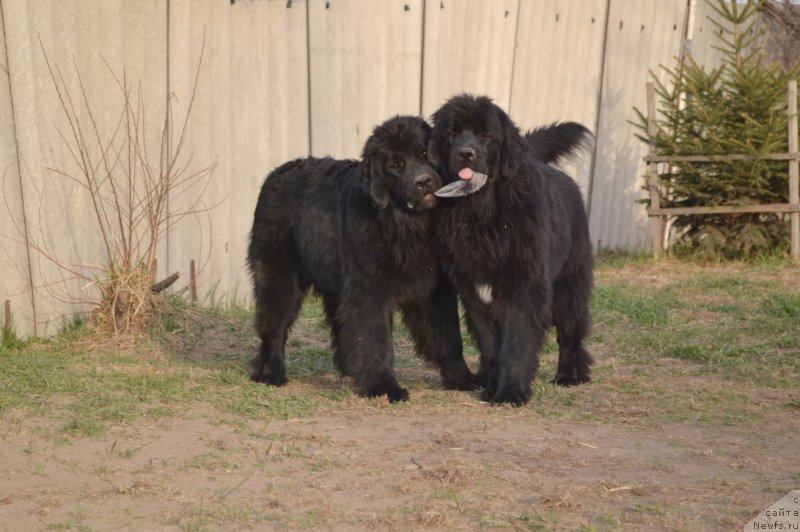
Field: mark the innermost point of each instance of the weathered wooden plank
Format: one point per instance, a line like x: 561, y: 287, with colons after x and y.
x: 365, y: 65
x: 469, y: 47
x: 727, y: 209
x: 15, y: 281
x: 98, y: 39
x: 557, y: 69
x: 640, y: 37
x: 250, y: 115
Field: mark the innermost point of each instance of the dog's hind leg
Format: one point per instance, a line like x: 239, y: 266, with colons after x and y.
x: 571, y: 294
x: 278, y: 299
x: 331, y: 304
x: 434, y: 326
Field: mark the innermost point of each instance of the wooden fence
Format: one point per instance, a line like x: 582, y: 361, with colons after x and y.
x: 659, y: 215
x: 281, y: 80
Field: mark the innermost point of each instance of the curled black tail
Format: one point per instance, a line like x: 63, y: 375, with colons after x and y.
x: 553, y: 142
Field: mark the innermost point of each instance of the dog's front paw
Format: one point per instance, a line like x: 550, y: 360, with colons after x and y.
x: 515, y: 396
x: 571, y: 379
x: 273, y: 379
x: 465, y: 382
x: 394, y: 393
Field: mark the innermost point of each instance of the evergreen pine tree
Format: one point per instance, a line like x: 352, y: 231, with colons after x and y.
x: 736, y: 108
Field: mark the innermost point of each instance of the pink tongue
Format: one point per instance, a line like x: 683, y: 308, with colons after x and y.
x: 465, y: 173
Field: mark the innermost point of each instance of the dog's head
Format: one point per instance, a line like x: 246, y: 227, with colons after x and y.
x: 471, y: 132
x: 396, y: 170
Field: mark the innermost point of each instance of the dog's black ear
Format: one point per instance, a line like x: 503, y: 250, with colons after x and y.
x: 373, y: 184
x: 436, y: 142
x: 509, y: 160
x: 510, y: 149
x: 370, y: 173
x: 433, y: 152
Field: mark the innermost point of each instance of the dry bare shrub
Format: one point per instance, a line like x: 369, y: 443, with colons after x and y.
x: 129, y: 190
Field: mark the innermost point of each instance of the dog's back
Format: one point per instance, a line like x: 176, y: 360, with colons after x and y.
x: 297, y: 206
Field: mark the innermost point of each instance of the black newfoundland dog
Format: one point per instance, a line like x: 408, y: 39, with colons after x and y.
x: 359, y: 233
x: 517, y: 249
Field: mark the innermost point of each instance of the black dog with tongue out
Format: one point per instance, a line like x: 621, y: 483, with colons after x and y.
x: 514, y: 239
x: 359, y: 233
x: 467, y: 183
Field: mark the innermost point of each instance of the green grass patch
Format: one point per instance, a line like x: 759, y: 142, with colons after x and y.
x: 737, y: 325
x: 782, y: 307
x: 618, y: 258
x: 617, y: 304
x: 729, y: 325
x: 309, y: 362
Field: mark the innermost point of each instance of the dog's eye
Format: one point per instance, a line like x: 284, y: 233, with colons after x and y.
x: 485, y: 135
x: 451, y: 132
x: 397, y: 165
x: 423, y: 152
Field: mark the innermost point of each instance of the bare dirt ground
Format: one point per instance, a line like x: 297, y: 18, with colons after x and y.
x: 646, y: 446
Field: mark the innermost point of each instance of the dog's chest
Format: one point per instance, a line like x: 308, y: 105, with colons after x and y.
x: 404, y: 270
x: 481, y: 250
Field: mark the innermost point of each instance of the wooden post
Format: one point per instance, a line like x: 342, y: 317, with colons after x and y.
x: 794, y: 172
x: 193, y: 281
x: 8, y: 322
x: 657, y: 222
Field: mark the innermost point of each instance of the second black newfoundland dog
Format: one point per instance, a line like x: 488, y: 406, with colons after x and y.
x: 359, y: 232
x: 517, y: 249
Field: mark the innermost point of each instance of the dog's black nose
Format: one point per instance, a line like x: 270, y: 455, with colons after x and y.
x: 466, y: 154
x: 423, y: 182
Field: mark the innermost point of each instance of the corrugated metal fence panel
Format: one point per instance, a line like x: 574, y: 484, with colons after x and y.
x: 249, y: 115
x: 655, y: 35
x: 469, y: 47
x: 557, y: 68
x: 365, y: 67
x: 63, y: 233
x: 15, y: 284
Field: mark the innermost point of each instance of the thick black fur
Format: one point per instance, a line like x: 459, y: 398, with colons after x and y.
x: 359, y: 233
x: 524, y: 235
x: 552, y: 143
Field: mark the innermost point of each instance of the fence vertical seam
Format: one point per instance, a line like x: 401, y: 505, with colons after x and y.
x: 168, y: 132
x: 597, y: 117
x: 24, y: 223
x: 308, y: 78
x: 422, y: 59
x: 514, y: 58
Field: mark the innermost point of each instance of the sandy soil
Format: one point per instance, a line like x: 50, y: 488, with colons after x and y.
x: 607, y: 456
x: 373, y: 466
